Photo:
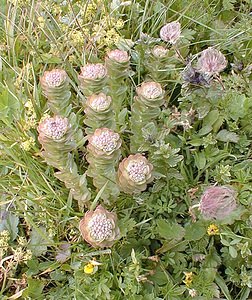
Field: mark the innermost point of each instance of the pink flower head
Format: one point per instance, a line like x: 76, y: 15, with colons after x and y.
x: 103, y: 142
x: 99, y: 102
x: 159, y: 51
x: 150, y: 90
x: 99, y: 227
x: 171, y: 32
x: 217, y: 202
x: 53, y: 78
x: 119, y: 56
x: 54, y: 128
x: 93, y: 71
x: 211, y: 61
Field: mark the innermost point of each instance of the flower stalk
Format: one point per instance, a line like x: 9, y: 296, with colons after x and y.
x: 117, y: 64
x: 103, y: 155
x: 59, y: 137
x: 99, y: 112
x: 55, y: 86
x: 145, y: 109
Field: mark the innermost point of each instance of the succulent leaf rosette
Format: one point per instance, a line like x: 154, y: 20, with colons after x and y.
x: 55, y: 86
x: 217, y: 202
x: 99, y: 228
x: 99, y: 112
x: 134, y: 173
x: 92, y: 78
x: 103, y: 156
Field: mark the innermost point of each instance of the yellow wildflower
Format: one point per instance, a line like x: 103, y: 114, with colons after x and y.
x: 89, y: 268
x: 212, y: 229
x: 26, y: 145
x: 188, y: 278
x: 119, y: 24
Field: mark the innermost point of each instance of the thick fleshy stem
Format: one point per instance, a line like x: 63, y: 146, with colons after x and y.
x: 145, y: 109
x: 103, y: 156
x: 117, y: 64
x: 55, y: 86
x: 99, y: 113
x: 59, y: 138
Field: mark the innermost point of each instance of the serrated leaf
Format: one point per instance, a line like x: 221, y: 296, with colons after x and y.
x: 227, y: 136
x: 170, y: 230
x: 34, y: 289
x: 39, y: 241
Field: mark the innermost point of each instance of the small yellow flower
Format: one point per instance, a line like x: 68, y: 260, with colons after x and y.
x: 188, y: 278
x: 213, y: 229
x: 28, y: 144
x: 91, y: 267
x: 119, y: 24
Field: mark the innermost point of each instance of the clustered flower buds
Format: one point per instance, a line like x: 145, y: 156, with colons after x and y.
x: 55, y: 86
x: 217, y: 202
x: 211, y: 61
x: 99, y: 112
x: 99, y: 228
x: 53, y: 128
x: 103, y: 155
x: 171, y: 32
x: 92, y: 78
x: 134, y: 173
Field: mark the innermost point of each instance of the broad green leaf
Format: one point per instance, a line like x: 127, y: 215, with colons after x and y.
x: 39, y: 241
x: 227, y: 136
x: 170, y: 230
x: 195, y: 231
x: 34, y: 289
x: 9, y: 222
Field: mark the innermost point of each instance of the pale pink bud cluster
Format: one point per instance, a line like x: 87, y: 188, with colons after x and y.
x: 99, y: 227
x: 217, y: 202
x: 54, y: 78
x: 134, y: 173
x: 99, y: 102
x: 54, y: 128
x: 150, y: 90
x: 159, y: 51
x: 171, y: 32
x: 104, y: 141
x: 119, y: 56
x: 93, y: 71
x: 211, y: 61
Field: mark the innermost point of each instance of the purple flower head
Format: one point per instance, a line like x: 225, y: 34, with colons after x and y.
x: 171, y: 32
x: 217, y: 202
x: 211, y: 61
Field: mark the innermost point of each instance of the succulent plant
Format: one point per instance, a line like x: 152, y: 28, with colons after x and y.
x: 117, y: 64
x: 92, y: 78
x: 58, y: 139
x: 134, y: 173
x: 171, y: 32
x: 99, y: 112
x: 99, y: 228
x: 103, y: 155
x: 211, y: 61
x: 145, y: 109
x: 217, y: 202
x: 55, y: 86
